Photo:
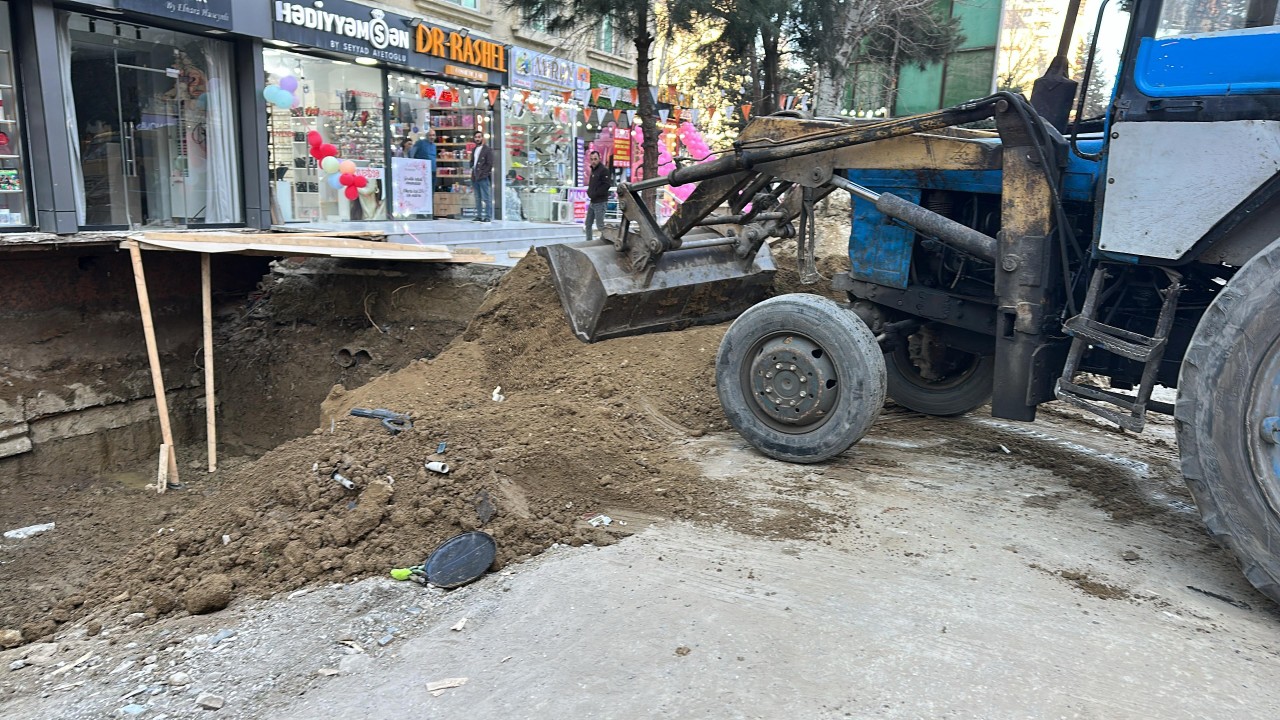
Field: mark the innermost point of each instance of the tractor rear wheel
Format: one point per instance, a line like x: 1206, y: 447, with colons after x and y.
x: 931, y: 378
x: 1228, y: 418
x: 800, y: 377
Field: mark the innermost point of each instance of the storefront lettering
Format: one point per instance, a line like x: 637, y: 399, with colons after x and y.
x: 376, y: 31
x: 459, y: 48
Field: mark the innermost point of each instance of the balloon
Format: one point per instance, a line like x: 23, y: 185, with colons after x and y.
x: 334, y: 181
x: 329, y: 164
x: 347, y: 179
x: 360, y: 181
x: 289, y: 83
x: 368, y: 189
x: 347, y: 167
x: 352, y: 193
x: 269, y: 92
x: 314, y: 138
x: 327, y: 150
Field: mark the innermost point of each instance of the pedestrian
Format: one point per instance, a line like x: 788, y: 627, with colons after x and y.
x: 597, y: 193
x: 404, y: 149
x: 482, y: 178
x: 425, y: 149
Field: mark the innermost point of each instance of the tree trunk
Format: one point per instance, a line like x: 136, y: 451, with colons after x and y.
x: 829, y: 81
x: 756, y: 96
x: 772, y: 57
x: 648, y: 110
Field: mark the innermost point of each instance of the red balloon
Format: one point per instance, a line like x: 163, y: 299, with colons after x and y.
x: 351, y: 193
x: 327, y: 150
x: 314, y: 139
x: 347, y: 180
x: 360, y: 181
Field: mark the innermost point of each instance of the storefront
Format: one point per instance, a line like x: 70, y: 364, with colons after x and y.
x: 153, y: 118
x: 15, y: 196
x: 371, y: 84
x: 543, y: 146
x: 613, y: 113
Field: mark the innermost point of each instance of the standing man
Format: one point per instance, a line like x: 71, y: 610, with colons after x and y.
x: 425, y: 149
x: 482, y: 178
x: 597, y: 193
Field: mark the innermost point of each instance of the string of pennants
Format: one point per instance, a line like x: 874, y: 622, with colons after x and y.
x: 519, y: 102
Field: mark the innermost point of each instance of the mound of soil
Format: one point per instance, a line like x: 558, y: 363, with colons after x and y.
x: 581, y: 429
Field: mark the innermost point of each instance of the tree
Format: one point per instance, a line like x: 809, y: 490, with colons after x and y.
x: 635, y: 19
x: 834, y: 35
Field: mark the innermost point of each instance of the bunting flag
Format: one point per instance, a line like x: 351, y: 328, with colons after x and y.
x: 595, y: 96
x: 635, y: 94
x: 524, y: 97
x: 673, y: 95
x: 653, y: 93
x: 631, y: 117
x: 663, y: 113
x: 693, y: 115
x: 567, y: 95
x: 676, y: 113
x: 439, y: 88
x: 586, y: 114
x: 711, y: 112
x: 727, y: 113
x: 600, y: 116
x: 617, y: 115
x: 746, y: 111
x: 782, y: 102
x: 493, y: 97
x: 613, y: 95
x: 477, y: 96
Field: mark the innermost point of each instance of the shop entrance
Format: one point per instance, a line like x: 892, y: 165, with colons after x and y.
x: 153, y: 111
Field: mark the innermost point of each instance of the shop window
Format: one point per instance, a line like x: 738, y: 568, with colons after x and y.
x: 434, y: 120
x: 155, y: 124
x: 14, y: 196
x: 541, y: 152
x: 343, y: 102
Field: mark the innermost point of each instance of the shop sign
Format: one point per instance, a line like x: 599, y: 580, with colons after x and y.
x: 210, y: 13
x: 411, y: 181
x: 621, y: 146
x: 460, y: 48
x: 344, y: 27
x: 538, y: 71
x: 353, y: 29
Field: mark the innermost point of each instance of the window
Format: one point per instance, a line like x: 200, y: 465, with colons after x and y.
x: 469, y: 4
x: 1187, y: 17
x: 536, y: 22
x: 604, y: 36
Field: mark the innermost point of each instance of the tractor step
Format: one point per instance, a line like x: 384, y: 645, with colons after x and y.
x: 1127, y: 411
x: 1119, y: 341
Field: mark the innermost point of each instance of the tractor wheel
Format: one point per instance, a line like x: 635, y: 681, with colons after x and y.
x: 800, y: 378
x: 931, y: 378
x: 1228, y: 418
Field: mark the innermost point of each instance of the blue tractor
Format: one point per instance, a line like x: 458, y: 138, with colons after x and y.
x: 1004, y: 266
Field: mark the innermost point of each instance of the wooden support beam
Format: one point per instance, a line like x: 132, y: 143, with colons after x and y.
x: 153, y: 355
x: 210, y: 399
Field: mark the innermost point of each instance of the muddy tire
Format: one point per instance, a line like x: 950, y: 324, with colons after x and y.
x: 965, y: 385
x: 1227, y: 418
x: 800, y: 378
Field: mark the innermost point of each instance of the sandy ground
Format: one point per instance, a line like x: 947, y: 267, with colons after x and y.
x: 959, y: 583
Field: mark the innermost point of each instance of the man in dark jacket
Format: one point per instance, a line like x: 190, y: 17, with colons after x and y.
x: 597, y: 193
x: 482, y: 178
x: 425, y: 149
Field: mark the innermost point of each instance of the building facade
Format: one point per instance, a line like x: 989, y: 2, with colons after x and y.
x: 123, y: 114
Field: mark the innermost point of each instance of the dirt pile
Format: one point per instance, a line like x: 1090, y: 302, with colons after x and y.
x: 582, y: 429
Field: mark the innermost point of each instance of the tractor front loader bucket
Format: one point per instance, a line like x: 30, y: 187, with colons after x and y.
x: 693, y: 286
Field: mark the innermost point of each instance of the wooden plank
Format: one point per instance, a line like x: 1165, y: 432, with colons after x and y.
x: 210, y: 400
x: 162, y: 475
x: 153, y: 356
x: 517, y: 254
x: 284, y: 241
x: 354, y: 234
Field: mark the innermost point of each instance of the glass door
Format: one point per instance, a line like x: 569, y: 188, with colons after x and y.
x: 155, y: 114
x: 152, y: 135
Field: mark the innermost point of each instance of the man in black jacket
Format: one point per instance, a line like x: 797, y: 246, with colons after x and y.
x: 482, y: 178
x: 597, y: 193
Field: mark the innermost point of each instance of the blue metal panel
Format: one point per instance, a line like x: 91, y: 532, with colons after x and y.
x: 879, y: 248
x: 1238, y: 62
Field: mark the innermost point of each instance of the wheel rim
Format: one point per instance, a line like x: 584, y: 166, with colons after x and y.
x: 1261, y: 426
x: 960, y: 366
x: 791, y: 382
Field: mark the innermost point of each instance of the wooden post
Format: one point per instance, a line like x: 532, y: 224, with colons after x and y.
x: 162, y: 475
x: 153, y: 355
x: 210, y: 401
